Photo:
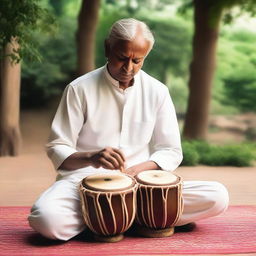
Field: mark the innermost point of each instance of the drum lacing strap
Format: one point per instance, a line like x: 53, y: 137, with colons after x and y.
x: 164, y: 197
x: 99, y: 215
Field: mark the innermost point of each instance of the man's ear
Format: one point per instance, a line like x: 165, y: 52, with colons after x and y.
x: 107, y: 48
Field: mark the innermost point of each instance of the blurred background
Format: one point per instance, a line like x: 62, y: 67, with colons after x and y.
x: 204, y: 53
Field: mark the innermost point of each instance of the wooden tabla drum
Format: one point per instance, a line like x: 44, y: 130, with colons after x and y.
x: 159, y: 203
x: 108, y: 204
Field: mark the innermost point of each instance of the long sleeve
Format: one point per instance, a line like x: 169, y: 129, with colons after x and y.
x: 66, y: 126
x: 165, y: 142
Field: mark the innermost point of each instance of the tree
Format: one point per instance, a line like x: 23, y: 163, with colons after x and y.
x: 9, y: 102
x: 87, y: 25
x: 18, y: 20
x: 201, y: 70
x: 207, y: 17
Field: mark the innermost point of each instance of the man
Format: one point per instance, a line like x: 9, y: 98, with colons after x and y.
x: 116, y: 118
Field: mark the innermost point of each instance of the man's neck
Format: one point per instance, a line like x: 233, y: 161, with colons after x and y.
x: 126, y: 85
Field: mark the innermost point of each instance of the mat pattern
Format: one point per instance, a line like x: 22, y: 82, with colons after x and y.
x: 231, y: 232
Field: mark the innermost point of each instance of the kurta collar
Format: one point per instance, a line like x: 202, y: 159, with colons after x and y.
x: 114, y: 81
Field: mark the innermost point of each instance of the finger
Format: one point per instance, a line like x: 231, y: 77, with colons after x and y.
x: 110, y: 157
x: 122, y: 169
x: 118, y: 158
x: 119, y: 152
x: 106, y: 164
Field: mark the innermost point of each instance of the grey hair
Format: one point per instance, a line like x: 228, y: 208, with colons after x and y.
x: 126, y: 29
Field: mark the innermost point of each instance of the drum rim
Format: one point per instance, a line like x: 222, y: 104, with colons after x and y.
x: 116, y: 191
x: 113, y: 192
x: 179, y: 183
x: 148, y: 184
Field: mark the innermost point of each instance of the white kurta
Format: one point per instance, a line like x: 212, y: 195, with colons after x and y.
x: 141, y: 121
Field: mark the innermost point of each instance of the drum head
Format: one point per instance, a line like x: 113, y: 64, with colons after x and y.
x: 108, y: 182
x: 156, y: 178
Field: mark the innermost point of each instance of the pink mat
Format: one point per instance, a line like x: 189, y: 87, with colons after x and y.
x: 232, y: 232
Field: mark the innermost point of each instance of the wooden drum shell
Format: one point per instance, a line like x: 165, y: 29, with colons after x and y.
x: 159, y: 207
x: 108, y: 213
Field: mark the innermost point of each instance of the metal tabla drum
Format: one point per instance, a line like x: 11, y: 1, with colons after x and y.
x: 108, y: 204
x: 159, y: 203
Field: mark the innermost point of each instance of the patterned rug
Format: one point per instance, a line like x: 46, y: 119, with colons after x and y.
x: 232, y: 232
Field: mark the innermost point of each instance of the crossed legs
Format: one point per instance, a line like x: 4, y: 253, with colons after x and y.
x: 57, y: 212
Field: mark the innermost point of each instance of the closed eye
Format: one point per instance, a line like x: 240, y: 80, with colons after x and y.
x: 121, y: 58
x: 136, y: 61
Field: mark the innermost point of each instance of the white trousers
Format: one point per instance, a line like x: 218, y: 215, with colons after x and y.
x: 57, y: 212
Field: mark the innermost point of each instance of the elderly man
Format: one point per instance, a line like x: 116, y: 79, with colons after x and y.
x: 116, y: 118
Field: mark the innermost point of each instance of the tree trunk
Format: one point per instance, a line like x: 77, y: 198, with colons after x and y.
x: 201, y: 71
x: 10, y: 138
x: 87, y: 24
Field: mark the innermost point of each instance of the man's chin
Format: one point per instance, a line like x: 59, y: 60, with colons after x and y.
x: 125, y: 79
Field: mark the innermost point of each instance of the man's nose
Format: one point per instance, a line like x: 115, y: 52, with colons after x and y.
x: 128, y: 66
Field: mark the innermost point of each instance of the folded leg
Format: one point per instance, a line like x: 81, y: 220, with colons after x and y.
x: 57, y: 212
x: 202, y: 199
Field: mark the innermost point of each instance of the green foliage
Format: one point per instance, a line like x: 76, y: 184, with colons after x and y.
x: 234, y: 155
x: 244, y: 6
x: 190, y: 154
x: 250, y: 134
x: 235, y: 76
x: 18, y: 20
x: 168, y: 61
x: 43, y: 80
x: 200, y: 152
x: 172, y: 50
x: 179, y: 91
x: 224, y: 7
x: 241, y: 90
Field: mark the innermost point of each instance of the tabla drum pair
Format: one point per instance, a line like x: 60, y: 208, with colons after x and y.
x: 111, y: 203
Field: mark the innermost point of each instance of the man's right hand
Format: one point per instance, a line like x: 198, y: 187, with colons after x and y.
x: 108, y: 158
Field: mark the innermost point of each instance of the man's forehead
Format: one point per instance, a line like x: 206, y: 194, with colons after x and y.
x: 138, y: 47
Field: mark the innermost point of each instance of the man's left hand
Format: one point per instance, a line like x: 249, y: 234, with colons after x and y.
x: 135, y: 169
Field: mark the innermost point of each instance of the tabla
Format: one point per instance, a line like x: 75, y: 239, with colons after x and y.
x: 108, y: 204
x: 159, y: 203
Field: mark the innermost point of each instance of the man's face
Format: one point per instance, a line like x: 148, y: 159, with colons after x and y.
x: 125, y: 58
